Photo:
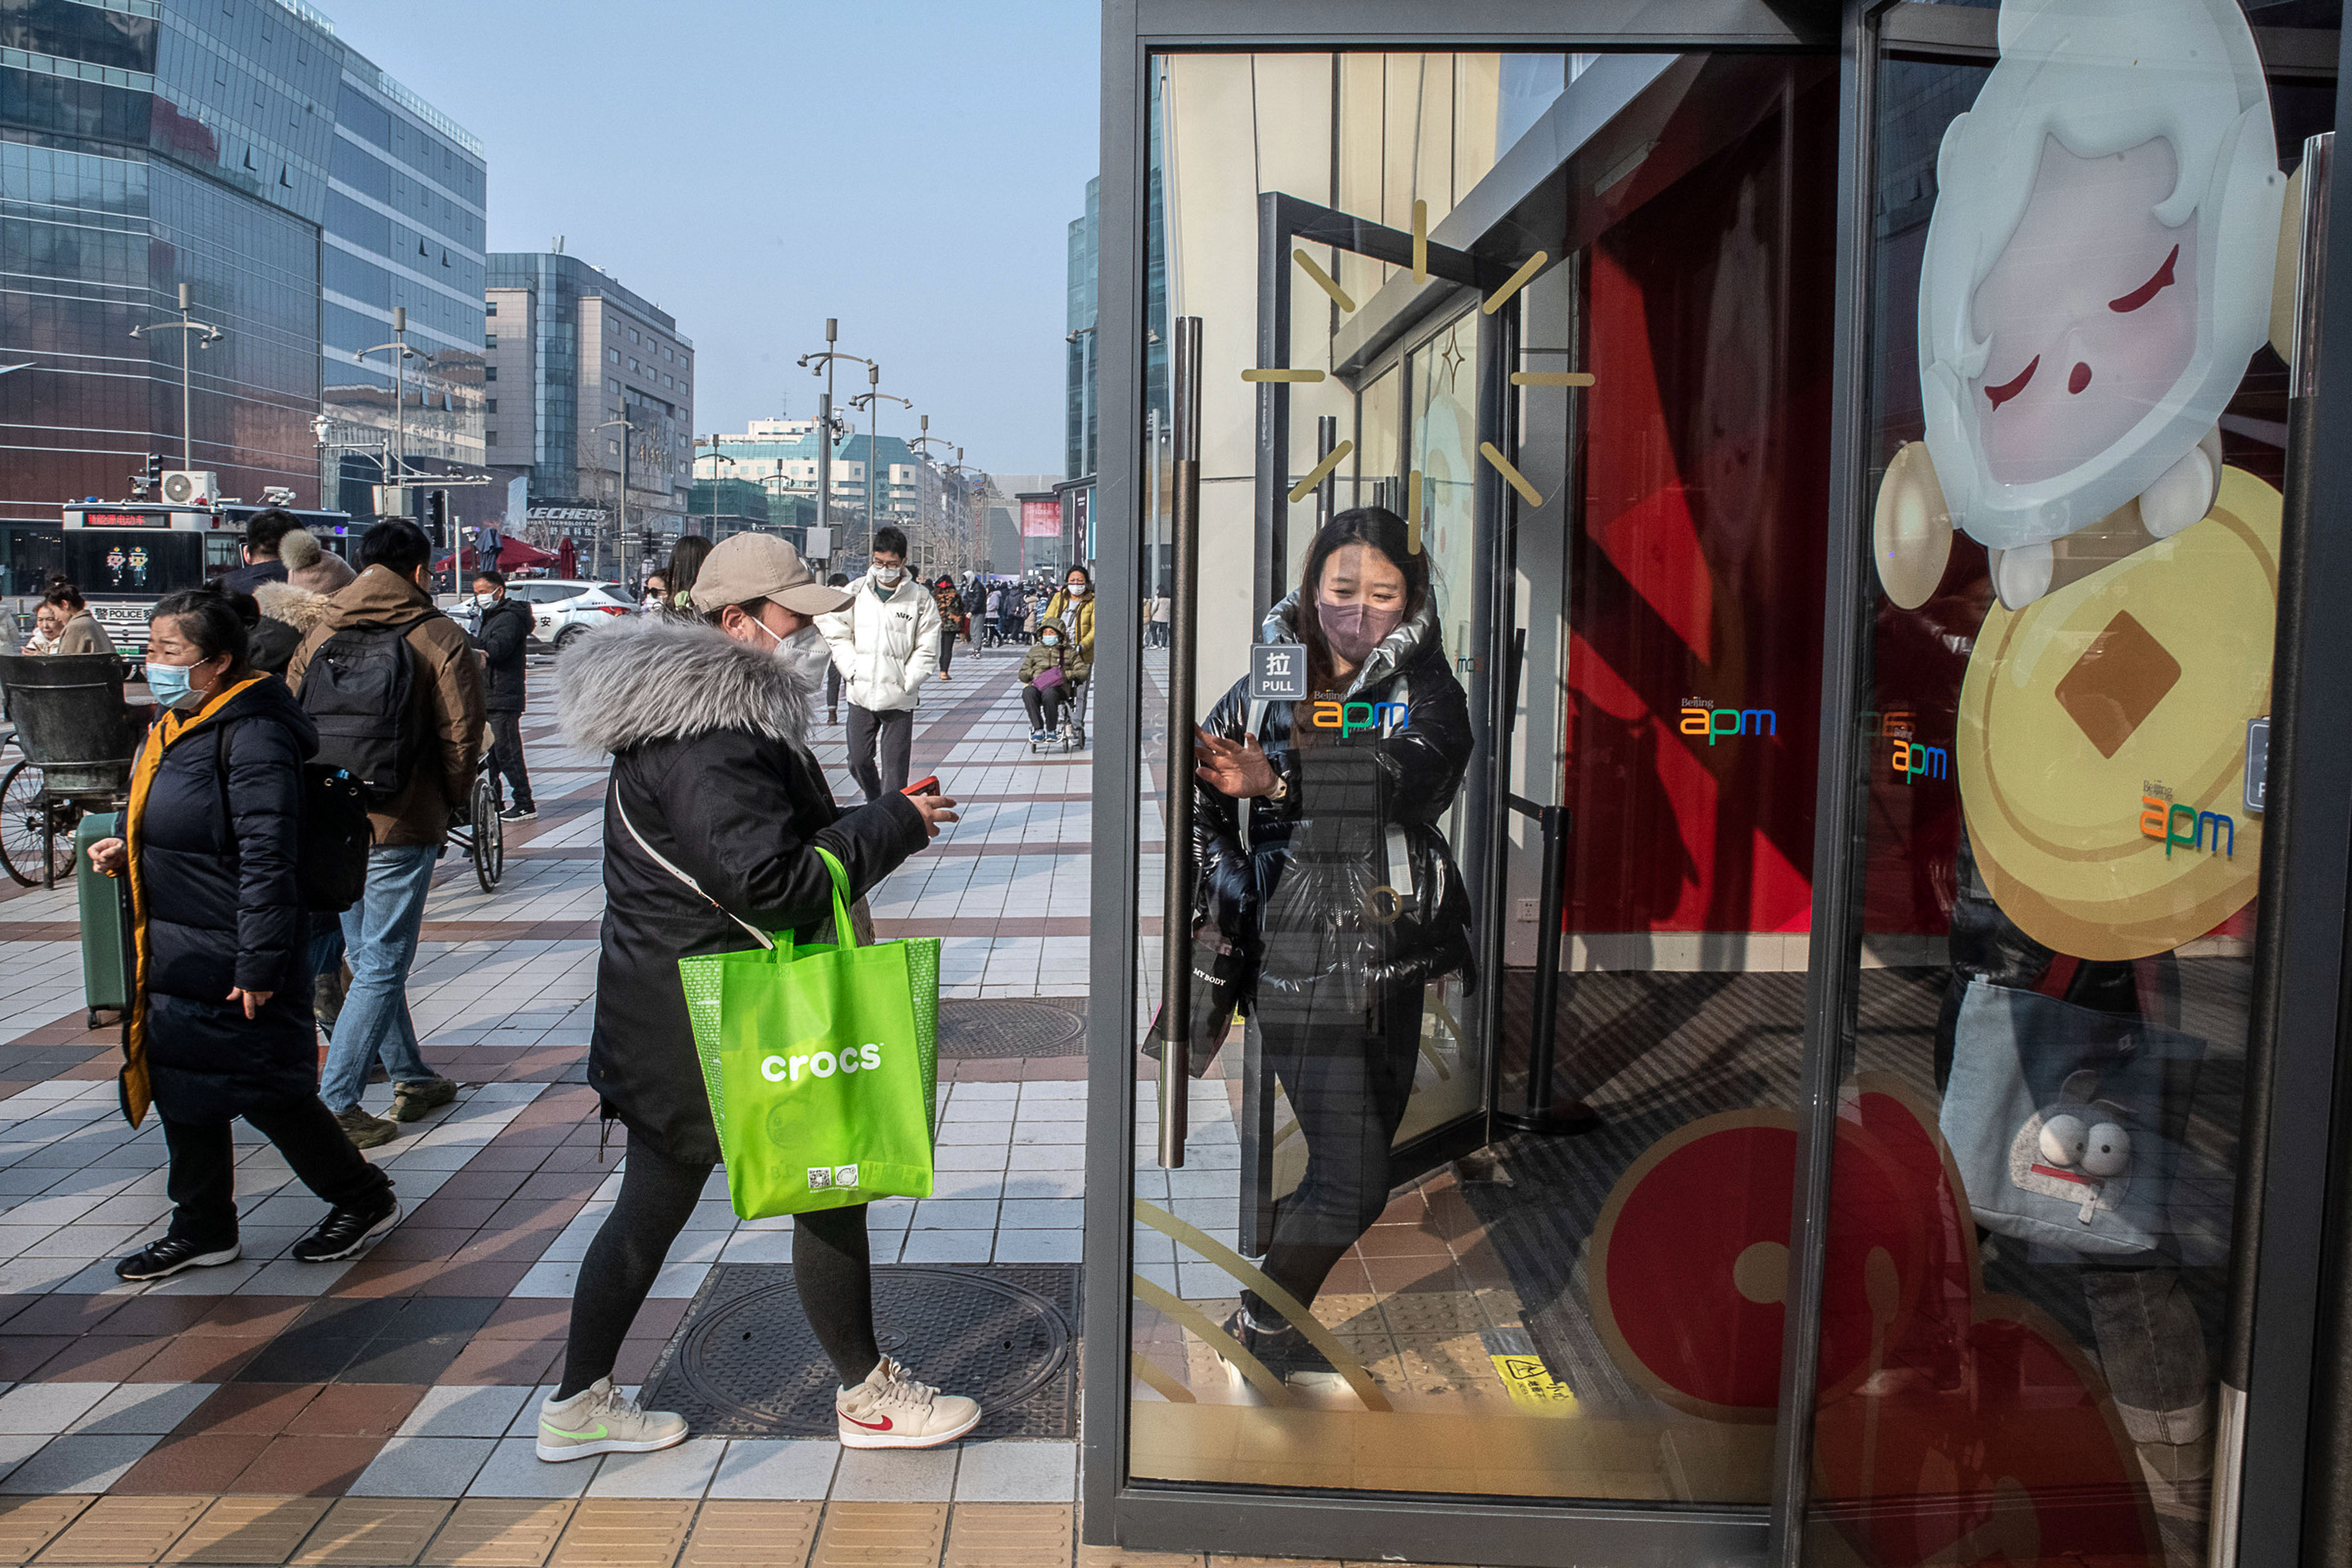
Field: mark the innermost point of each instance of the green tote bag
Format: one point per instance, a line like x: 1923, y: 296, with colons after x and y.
x: 822, y: 1062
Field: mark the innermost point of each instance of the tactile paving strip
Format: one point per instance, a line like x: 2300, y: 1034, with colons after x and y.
x: 745, y: 1362
x: 977, y: 1030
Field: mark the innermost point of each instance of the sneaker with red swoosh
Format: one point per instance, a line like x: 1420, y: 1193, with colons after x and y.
x: 891, y: 1410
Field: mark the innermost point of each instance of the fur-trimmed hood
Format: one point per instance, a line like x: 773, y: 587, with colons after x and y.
x: 298, y: 607
x: 650, y: 677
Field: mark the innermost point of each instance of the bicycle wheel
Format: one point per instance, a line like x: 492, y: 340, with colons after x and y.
x: 21, y: 811
x: 490, y: 837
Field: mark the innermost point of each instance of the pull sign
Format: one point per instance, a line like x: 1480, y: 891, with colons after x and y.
x: 2258, y: 761
x: 1278, y: 672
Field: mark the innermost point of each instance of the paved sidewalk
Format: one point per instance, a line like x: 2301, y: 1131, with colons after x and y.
x: 377, y: 1411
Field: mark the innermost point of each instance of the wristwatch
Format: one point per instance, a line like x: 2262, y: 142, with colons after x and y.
x: 1281, y: 789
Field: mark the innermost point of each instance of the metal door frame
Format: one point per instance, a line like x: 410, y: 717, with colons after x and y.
x: 2286, y: 1505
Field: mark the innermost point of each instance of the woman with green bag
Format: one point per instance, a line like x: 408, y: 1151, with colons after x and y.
x: 712, y: 781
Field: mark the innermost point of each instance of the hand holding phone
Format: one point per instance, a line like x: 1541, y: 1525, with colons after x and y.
x: 923, y: 786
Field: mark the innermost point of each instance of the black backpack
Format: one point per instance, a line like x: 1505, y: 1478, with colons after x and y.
x: 359, y: 690
x: 332, y: 842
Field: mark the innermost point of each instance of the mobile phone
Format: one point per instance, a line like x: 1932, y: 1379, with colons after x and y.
x: 923, y: 786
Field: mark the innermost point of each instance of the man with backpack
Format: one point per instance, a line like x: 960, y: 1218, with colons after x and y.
x: 397, y: 692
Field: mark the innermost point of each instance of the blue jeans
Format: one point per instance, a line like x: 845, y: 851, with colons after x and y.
x: 379, y: 936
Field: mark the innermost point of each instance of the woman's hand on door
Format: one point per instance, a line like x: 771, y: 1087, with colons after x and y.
x: 1237, y: 768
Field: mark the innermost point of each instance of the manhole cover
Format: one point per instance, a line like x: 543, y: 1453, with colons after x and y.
x: 971, y: 1030
x: 746, y: 1364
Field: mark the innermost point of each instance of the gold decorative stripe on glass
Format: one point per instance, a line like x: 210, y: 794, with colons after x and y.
x: 1551, y: 378
x: 1320, y: 471
x: 1518, y: 480
x: 1324, y: 281
x: 1515, y: 282
x: 1179, y: 1311
x: 1279, y: 372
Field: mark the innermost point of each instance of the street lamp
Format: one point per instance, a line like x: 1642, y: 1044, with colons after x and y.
x: 627, y: 430
x: 184, y: 326
x: 823, y: 365
x: 922, y: 510
x: 717, y: 457
x: 402, y: 353
x: 871, y: 400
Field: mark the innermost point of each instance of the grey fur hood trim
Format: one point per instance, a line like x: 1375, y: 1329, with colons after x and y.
x: 298, y: 607
x: 650, y: 678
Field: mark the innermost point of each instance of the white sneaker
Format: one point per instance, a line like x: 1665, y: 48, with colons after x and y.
x: 891, y: 1410
x: 600, y: 1419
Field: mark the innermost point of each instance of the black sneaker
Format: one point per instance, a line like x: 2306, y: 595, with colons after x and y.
x: 162, y: 1259
x: 347, y: 1229
x: 519, y: 813
x: 1286, y: 1352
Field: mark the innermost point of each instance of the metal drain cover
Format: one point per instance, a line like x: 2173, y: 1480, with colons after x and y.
x: 973, y: 1030
x: 745, y: 1362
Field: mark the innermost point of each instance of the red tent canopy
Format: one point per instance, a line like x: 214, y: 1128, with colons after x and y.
x: 513, y: 554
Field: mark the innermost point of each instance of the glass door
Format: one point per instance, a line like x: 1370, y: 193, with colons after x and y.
x: 1356, y: 1278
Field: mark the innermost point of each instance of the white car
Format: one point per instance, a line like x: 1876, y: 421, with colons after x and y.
x: 561, y: 608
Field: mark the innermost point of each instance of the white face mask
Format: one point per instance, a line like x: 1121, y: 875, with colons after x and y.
x: 889, y: 576
x: 1077, y: 590
x: 486, y: 600
x: 805, y: 653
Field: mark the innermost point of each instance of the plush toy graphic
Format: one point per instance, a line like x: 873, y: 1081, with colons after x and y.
x: 2097, y: 273
x: 1952, y: 1426
x: 2076, y: 1148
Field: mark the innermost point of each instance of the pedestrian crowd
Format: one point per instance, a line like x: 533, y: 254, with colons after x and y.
x: 320, y: 724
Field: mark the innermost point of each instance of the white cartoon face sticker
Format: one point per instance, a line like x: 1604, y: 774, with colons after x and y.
x: 2089, y: 316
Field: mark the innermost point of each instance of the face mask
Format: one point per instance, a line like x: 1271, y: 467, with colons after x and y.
x: 169, y: 682
x: 889, y: 577
x: 805, y: 653
x: 1354, y: 630
x: 1077, y: 590
x: 486, y: 600
x: 1051, y: 642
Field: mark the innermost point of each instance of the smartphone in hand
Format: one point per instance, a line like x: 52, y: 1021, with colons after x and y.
x: 923, y: 786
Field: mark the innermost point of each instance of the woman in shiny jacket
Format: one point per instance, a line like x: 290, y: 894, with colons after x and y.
x: 219, y: 1024
x: 1322, y: 859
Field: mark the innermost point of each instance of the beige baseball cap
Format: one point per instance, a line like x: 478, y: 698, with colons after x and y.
x: 760, y: 566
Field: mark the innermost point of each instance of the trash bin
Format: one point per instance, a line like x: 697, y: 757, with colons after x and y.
x: 105, y: 974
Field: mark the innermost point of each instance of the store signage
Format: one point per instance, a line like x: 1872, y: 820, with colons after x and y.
x: 1278, y: 672
x: 1349, y: 718
x: 1041, y: 520
x: 1700, y: 719
x: 2258, y: 763
x: 2161, y: 817
x: 1917, y: 759
x: 567, y: 515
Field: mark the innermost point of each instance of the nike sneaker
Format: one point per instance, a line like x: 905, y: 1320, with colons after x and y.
x: 891, y: 1410
x: 600, y: 1419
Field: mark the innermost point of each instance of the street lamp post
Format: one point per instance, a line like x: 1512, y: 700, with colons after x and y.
x: 823, y: 365
x: 717, y: 457
x: 184, y: 326
x: 402, y: 353
x: 627, y: 430
x: 922, y: 487
x: 871, y: 400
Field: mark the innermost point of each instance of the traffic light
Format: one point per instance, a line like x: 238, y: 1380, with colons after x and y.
x: 437, y: 517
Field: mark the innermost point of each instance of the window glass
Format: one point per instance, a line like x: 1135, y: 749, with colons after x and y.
x: 2075, y: 455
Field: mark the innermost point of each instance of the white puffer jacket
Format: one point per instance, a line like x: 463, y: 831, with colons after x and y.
x: 884, y: 647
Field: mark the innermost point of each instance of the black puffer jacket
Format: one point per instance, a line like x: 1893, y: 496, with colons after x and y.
x: 214, y: 841
x: 504, y: 628
x: 710, y: 764
x: 1304, y: 897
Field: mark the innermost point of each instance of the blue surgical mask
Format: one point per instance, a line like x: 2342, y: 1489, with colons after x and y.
x: 169, y: 682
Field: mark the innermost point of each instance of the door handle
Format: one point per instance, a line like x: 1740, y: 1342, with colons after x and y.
x: 1176, y: 919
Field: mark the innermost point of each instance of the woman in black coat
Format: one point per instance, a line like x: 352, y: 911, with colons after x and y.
x: 712, y: 781
x: 1322, y: 859
x: 220, y: 1019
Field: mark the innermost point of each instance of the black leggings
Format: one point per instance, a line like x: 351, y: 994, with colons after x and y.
x: 830, y: 1265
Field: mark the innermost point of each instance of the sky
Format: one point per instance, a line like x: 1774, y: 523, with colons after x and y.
x: 753, y: 166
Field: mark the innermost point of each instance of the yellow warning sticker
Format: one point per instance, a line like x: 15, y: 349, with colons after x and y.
x: 1531, y: 1385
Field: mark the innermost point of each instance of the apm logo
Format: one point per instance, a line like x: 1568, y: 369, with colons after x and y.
x: 1915, y: 760
x: 2161, y: 817
x: 1700, y: 719
x: 1349, y: 718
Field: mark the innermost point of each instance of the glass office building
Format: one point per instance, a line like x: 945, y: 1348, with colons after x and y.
x: 1790, y: 986
x: 145, y: 144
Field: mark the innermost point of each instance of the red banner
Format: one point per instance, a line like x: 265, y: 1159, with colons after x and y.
x: 1041, y: 520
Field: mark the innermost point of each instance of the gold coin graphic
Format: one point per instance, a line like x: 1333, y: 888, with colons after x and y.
x: 2113, y: 702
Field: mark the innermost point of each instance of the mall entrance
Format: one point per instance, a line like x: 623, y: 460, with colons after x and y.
x: 1689, y: 935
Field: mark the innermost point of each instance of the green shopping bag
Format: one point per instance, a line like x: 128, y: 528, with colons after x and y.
x: 822, y: 1063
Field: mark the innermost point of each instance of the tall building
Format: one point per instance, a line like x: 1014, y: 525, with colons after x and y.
x: 1079, y: 413
x: 145, y: 144
x: 910, y: 489
x: 575, y: 362
x: 404, y: 228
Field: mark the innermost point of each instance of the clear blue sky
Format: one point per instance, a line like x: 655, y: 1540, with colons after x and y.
x: 755, y: 166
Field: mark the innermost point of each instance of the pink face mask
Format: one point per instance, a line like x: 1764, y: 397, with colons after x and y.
x: 1354, y: 630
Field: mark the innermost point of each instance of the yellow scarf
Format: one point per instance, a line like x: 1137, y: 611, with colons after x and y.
x: 137, y: 1096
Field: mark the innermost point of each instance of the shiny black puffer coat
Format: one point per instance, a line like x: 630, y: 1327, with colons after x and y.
x: 1302, y: 894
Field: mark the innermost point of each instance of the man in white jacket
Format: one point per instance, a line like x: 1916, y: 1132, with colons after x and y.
x: 885, y: 644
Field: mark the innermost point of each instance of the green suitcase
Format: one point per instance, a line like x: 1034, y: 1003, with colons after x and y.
x: 105, y: 972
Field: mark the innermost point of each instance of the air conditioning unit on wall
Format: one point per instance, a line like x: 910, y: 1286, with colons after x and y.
x: 189, y: 487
